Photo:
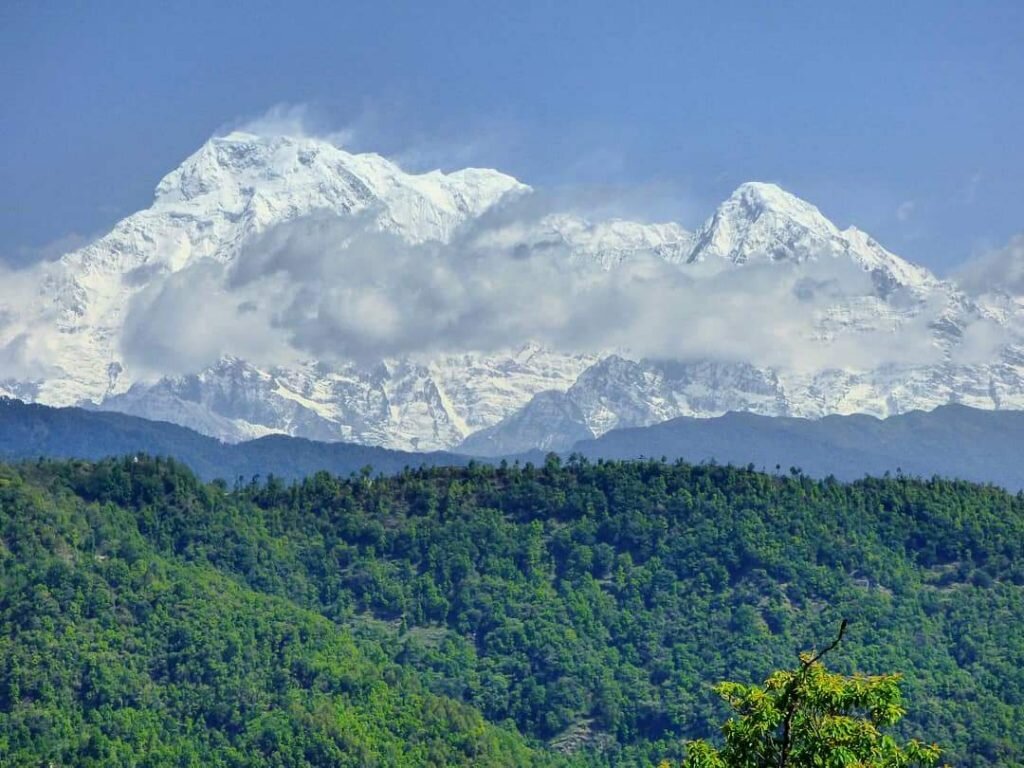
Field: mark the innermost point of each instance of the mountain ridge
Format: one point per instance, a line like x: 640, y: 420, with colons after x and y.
x: 69, y: 342
x: 30, y: 430
x: 952, y: 441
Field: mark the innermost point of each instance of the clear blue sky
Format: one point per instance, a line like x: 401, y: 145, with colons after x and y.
x: 905, y: 118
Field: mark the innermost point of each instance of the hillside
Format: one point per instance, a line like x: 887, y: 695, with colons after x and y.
x: 113, y: 653
x: 588, y: 606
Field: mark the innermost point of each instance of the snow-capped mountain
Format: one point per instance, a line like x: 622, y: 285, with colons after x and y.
x: 231, y: 190
x: 761, y: 223
x: 397, y: 403
x: 64, y: 341
x: 619, y: 393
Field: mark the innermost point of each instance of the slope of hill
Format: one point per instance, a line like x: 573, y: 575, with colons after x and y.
x: 951, y: 441
x: 148, y: 619
x: 114, y: 652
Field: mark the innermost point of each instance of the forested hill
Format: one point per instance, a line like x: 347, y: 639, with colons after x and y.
x: 486, y: 615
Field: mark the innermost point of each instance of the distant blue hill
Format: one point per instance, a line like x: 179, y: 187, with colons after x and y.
x: 952, y: 441
x: 30, y: 431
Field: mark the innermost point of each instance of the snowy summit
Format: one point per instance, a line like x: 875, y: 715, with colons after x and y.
x: 64, y: 339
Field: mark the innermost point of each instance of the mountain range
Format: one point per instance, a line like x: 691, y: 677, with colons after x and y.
x: 197, y: 311
x: 29, y: 431
x: 952, y: 441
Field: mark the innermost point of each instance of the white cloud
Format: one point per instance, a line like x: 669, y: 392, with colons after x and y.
x: 905, y: 210
x: 996, y: 271
x: 292, y: 120
x: 26, y: 256
x: 336, y: 290
x: 970, y: 191
x: 24, y: 351
x: 389, y: 130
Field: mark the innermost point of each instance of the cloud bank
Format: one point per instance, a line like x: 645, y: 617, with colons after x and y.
x: 338, y: 290
x: 24, y: 351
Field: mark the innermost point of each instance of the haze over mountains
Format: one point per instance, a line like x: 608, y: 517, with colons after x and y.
x: 283, y: 285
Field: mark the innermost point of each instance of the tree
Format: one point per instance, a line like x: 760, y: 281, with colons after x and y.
x: 811, y: 717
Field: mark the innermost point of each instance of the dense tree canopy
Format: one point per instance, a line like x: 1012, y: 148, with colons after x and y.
x: 486, y: 615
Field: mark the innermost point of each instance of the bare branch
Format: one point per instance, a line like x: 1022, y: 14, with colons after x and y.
x: 790, y: 696
x: 839, y: 639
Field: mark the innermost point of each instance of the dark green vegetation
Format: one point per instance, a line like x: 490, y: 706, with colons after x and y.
x: 118, y: 651
x: 425, y: 618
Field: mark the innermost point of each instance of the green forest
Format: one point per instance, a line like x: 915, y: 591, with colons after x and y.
x: 566, y: 614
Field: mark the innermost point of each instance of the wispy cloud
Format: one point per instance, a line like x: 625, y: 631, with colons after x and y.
x: 27, y: 256
x: 970, y: 191
x: 905, y: 210
x: 25, y: 351
x: 996, y: 270
x: 292, y: 120
x: 386, y: 129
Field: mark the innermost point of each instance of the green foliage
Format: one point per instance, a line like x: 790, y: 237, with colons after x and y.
x: 485, y: 615
x: 811, y: 718
x: 113, y: 655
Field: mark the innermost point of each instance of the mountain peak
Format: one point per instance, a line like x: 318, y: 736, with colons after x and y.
x: 240, y: 160
x: 761, y: 195
x: 239, y: 185
x: 308, y: 173
x: 760, y: 221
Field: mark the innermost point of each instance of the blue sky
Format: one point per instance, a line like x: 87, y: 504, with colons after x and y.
x: 903, y: 118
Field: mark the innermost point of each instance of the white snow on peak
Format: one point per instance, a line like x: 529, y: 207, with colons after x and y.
x: 227, y: 192
x: 267, y: 179
x: 239, y: 185
x: 874, y: 257
x: 609, y: 243
x: 763, y: 222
